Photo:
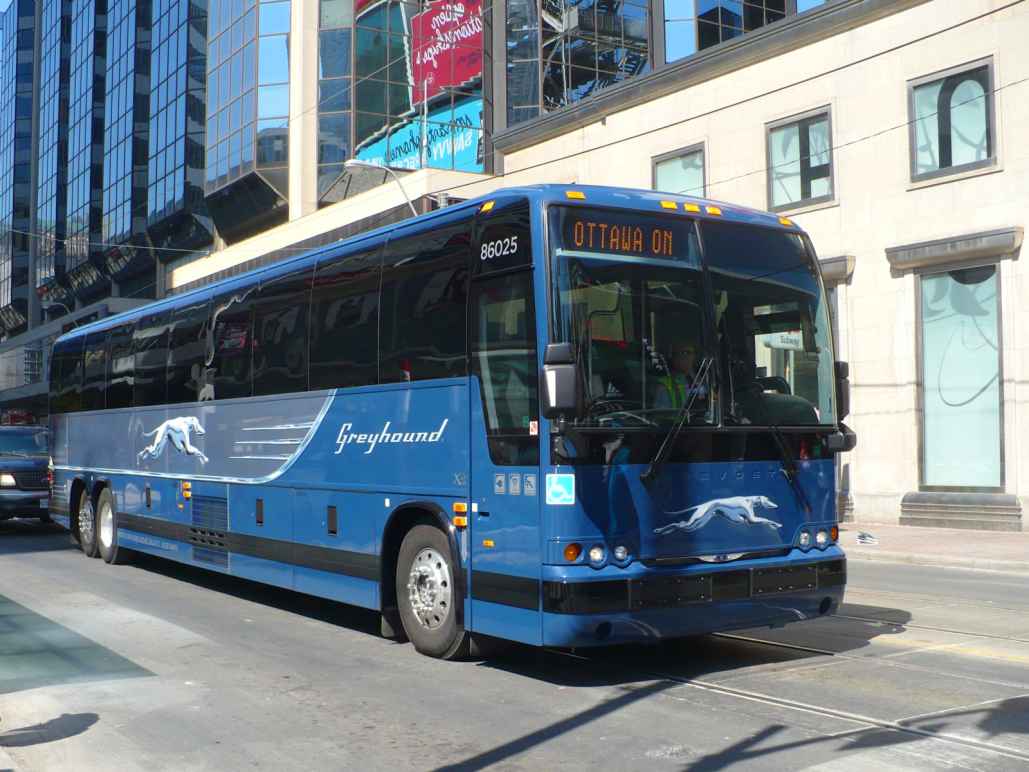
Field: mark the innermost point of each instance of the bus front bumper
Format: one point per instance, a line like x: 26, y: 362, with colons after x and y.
x: 655, y: 604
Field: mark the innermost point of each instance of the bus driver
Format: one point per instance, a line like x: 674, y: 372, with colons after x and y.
x: 675, y: 388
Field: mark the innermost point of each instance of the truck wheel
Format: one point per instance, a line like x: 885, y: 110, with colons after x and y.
x: 85, y: 525
x: 427, y: 595
x: 107, y: 530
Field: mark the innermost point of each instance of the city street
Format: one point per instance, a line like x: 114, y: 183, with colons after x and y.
x: 159, y: 666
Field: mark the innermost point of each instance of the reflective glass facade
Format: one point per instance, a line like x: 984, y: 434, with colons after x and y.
x: 126, y: 108
x: 176, y: 211
x: 51, y: 195
x: 417, y: 98
x: 335, y: 85
x: 83, y: 253
x: 17, y: 30
x: 562, y: 51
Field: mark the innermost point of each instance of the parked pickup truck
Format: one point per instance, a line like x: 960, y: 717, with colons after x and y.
x: 24, y: 472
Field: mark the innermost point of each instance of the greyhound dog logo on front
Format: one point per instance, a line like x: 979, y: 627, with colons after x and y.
x: 177, y: 431
x: 735, y: 509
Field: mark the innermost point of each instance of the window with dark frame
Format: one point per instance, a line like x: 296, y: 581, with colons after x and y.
x: 800, y: 161
x: 952, y: 122
x: 681, y: 171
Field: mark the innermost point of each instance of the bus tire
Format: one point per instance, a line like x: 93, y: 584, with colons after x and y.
x: 107, y: 530
x: 85, y: 525
x: 428, y: 596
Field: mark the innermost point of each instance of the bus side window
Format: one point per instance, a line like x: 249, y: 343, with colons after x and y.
x: 504, y: 359
x: 94, y: 377
x: 186, y: 352
x: 121, y: 367
x: 227, y: 364
x: 281, y: 308
x: 66, y: 372
x: 345, y: 320
x: 150, y: 349
x: 424, y: 302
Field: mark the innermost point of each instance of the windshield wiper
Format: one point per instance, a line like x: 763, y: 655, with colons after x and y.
x: 789, y: 466
x: 648, y: 475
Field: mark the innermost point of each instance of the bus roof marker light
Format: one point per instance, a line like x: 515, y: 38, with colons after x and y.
x: 694, y: 208
x: 669, y: 205
x: 786, y: 221
x: 488, y: 206
x: 575, y: 195
x: 717, y: 211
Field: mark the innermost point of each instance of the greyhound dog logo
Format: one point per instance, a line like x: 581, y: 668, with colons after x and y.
x: 735, y: 509
x: 177, y: 431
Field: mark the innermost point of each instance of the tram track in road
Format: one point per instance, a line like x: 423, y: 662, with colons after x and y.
x: 866, y: 723
x: 934, y: 629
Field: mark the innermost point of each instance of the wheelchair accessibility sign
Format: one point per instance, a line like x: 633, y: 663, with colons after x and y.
x: 561, y: 489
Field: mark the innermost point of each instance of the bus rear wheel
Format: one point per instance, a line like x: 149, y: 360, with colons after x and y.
x: 427, y: 595
x: 107, y: 530
x: 85, y: 525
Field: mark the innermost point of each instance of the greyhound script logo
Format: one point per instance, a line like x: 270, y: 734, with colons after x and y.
x: 346, y: 437
x: 177, y: 431
x: 735, y: 509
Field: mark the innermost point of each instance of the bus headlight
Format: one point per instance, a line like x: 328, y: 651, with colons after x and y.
x: 822, y: 539
x: 7, y: 481
x: 805, y: 539
x: 596, y: 554
x: 621, y: 553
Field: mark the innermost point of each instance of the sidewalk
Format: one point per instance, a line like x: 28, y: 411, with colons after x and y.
x: 993, y: 550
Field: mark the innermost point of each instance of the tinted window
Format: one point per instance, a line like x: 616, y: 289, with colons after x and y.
x: 424, y: 294
x: 345, y: 320
x: 504, y: 359
x: 66, y: 372
x: 150, y: 351
x: 504, y: 237
x: 227, y: 364
x: 189, y: 330
x: 94, y: 371
x: 21, y: 442
x: 122, y: 367
x: 281, y: 309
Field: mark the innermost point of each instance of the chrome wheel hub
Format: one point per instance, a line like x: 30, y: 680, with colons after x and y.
x: 106, y: 525
x: 429, y: 588
x: 86, y: 522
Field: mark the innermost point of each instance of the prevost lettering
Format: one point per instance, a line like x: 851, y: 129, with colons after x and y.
x: 627, y: 239
x: 385, y: 437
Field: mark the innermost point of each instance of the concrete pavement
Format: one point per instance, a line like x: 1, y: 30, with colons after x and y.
x: 990, y: 550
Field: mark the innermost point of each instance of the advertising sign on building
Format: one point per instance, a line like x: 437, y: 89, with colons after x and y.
x: 447, y: 43
x: 453, y: 140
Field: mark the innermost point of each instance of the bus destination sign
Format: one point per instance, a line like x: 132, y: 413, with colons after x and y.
x: 595, y: 232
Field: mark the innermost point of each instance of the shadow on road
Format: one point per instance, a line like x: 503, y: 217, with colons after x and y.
x: 64, y: 726
x: 22, y: 535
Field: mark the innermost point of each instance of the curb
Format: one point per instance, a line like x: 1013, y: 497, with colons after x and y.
x: 1004, y: 566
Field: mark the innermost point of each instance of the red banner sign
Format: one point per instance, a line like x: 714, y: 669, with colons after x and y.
x: 447, y: 43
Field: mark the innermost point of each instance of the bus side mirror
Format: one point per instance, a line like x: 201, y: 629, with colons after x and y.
x: 843, y: 441
x: 842, y: 390
x: 560, y: 380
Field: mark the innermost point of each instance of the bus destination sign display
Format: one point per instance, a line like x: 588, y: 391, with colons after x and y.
x: 615, y: 233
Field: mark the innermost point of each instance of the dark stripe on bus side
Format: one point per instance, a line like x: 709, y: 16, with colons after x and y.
x: 356, y: 564
x: 517, y: 591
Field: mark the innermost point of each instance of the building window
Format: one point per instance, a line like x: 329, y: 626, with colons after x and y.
x: 693, y: 25
x: 681, y: 171
x: 800, y: 161
x: 560, y: 52
x: 952, y: 124
x: 960, y: 366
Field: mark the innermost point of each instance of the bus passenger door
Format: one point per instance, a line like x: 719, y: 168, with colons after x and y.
x: 505, y: 518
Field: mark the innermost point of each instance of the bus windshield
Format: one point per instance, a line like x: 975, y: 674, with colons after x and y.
x: 629, y: 295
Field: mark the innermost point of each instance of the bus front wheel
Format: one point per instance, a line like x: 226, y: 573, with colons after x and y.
x: 427, y: 595
x: 85, y: 525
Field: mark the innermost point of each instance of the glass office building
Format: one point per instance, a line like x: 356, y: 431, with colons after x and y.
x: 17, y: 66
x: 84, y: 259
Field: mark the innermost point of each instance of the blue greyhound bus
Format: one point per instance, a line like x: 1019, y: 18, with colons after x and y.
x: 567, y: 416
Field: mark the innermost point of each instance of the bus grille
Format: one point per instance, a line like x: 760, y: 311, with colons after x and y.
x: 31, y: 481
x: 210, y: 522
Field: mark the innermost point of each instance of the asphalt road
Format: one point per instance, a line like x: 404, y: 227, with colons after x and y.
x: 159, y: 666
